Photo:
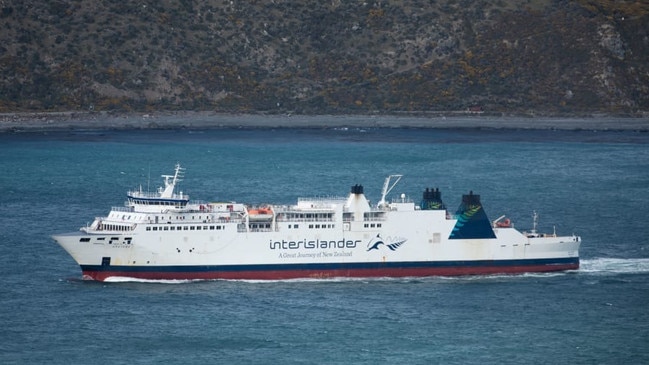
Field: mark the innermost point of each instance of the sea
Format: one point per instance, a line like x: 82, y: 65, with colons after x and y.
x: 591, y: 183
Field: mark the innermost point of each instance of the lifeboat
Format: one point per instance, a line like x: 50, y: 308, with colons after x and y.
x: 502, y: 222
x: 505, y: 223
x: 260, y: 214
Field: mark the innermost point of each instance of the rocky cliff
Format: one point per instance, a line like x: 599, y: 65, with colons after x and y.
x: 541, y: 57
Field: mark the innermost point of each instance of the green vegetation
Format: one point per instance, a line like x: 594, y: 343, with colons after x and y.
x: 538, y: 56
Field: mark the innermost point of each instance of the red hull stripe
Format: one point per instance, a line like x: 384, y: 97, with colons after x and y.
x: 279, y: 272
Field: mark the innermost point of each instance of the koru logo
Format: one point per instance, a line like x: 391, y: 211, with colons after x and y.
x: 392, y: 243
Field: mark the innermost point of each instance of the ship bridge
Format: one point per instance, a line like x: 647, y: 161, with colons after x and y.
x: 164, y: 199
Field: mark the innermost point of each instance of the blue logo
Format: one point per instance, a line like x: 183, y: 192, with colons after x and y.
x: 393, y: 243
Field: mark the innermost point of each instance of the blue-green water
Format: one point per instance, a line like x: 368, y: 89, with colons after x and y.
x: 595, y: 184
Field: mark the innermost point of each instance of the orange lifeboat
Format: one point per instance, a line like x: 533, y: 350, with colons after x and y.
x: 505, y: 223
x: 260, y: 213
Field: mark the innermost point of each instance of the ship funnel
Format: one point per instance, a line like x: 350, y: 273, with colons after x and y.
x: 357, y: 203
x: 432, y: 200
x: 357, y: 189
x: 472, y: 221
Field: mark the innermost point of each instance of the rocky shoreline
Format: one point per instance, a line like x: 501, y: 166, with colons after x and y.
x: 70, y: 121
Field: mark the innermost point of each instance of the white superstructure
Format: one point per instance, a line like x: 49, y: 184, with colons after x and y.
x: 163, y: 235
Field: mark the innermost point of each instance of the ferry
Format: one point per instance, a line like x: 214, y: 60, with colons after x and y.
x: 163, y: 235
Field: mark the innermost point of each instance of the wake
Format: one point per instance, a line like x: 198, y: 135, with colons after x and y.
x: 589, y: 266
x: 124, y: 279
x: 614, y: 266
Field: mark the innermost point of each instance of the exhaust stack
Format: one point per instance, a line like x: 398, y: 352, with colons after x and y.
x: 472, y: 221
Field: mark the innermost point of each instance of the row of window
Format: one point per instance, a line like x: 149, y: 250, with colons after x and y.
x: 313, y: 226
x: 177, y: 204
x: 373, y: 216
x: 185, y: 228
x: 292, y: 226
x: 259, y: 225
x: 178, y: 217
x: 127, y: 240
x: 253, y: 226
x: 125, y: 217
x: 305, y: 216
x: 372, y: 225
x: 114, y: 227
x: 318, y: 226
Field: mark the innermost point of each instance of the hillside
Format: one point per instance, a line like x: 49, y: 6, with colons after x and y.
x: 540, y: 57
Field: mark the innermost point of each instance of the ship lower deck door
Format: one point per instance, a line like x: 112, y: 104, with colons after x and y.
x: 105, y: 261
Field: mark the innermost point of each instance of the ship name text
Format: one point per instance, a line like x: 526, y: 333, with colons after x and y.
x: 312, y: 244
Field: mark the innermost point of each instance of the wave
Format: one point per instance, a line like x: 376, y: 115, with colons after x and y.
x: 120, y: 279
x: 614, y: 266
x: 124, y: 279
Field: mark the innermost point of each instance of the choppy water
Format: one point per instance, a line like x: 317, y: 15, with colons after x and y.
x: 594, y: 184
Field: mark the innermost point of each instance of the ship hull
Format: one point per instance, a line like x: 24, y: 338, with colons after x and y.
x: 164, y: 237
x: 297, y: 271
